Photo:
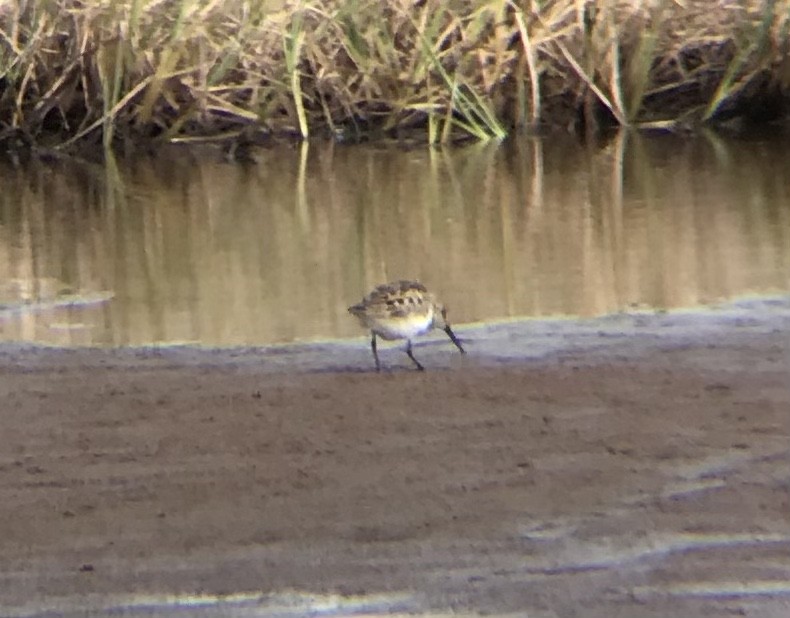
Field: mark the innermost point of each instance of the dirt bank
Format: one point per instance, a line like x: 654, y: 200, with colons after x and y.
x: 627, y: 466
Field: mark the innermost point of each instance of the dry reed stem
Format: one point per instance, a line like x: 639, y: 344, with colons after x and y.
x: 179, y: 68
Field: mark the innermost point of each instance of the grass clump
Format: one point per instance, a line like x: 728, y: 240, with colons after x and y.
x: 115, y: 71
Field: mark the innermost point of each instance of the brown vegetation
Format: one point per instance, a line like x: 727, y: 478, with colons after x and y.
x: 74, y: 70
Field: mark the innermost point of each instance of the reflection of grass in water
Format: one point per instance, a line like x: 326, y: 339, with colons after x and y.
x: 454, y: 69
x: 276, y: 251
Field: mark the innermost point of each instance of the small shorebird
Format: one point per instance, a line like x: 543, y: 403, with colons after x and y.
x: 402, y: 310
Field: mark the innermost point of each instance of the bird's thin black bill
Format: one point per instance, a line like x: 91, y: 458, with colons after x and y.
x: 454, y: 339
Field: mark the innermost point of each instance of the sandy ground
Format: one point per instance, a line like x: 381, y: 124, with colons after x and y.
x: 637, y: 465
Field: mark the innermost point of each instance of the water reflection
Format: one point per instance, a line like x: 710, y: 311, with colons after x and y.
x: 174, y: 250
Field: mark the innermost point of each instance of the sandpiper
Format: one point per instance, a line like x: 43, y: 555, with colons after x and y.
x: 402, y: 310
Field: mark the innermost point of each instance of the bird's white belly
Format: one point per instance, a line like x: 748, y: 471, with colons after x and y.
x: 405, y: 327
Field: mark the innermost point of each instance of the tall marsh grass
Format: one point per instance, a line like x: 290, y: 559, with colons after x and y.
x: 111, y: 71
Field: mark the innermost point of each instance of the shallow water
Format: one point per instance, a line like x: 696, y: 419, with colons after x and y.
x: 178, y: 249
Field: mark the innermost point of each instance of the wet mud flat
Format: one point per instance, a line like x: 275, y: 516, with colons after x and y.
x: 635, y: 465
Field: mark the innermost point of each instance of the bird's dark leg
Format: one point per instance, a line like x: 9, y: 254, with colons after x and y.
x: 411, y: 356
x: 453, y: 338
x: 375, y: 353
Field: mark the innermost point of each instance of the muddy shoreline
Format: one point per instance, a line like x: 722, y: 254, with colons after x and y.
x: 634, y: 465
